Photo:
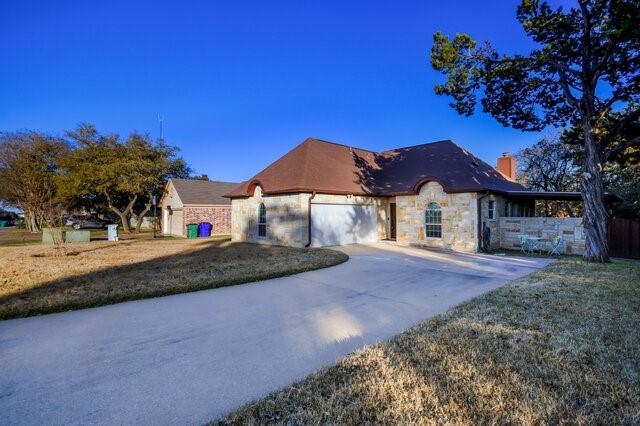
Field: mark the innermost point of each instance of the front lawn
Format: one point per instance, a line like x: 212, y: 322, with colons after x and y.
x: 33, y: 280
x: 559, y: 346
x: 12, y: 236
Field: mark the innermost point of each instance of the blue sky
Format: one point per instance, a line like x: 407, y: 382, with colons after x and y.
x: 241, y: 83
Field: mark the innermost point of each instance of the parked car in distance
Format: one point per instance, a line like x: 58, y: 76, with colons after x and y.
x: 70, y: 220
x: 86, y: 223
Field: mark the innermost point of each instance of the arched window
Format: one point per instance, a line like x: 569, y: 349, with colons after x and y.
x: 433, y: 221
x: 262, y: 220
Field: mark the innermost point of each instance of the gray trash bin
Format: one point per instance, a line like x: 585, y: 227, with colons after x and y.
x: 112, y: 232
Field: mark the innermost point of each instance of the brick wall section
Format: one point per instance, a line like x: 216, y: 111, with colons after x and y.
x: 218, y: 216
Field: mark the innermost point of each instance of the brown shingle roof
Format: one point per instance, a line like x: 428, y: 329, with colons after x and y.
x: 193, y: 191
x: 326, y: 167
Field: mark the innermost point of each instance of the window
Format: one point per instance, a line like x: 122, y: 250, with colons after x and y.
x: 262, y: 220
x: 433, y: 221
x: 492, y: 209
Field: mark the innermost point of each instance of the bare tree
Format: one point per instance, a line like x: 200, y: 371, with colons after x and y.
x: 549, y: 165
x: 28, y: 172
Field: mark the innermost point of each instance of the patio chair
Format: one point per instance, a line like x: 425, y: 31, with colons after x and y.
x: 555, y: 246
x: 525, y: 243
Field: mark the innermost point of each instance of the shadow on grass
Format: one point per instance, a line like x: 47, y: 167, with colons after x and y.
x: 209, y: 264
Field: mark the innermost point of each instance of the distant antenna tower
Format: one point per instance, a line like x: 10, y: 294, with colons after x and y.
x: 161, y: 120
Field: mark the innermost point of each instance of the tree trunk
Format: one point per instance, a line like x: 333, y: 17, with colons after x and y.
x: 594, y: 213
x: 140, y: 217
x: 124, y: 213
x: 123, y: 220
x: 30, y: 221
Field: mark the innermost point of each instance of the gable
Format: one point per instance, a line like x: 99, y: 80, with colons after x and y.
x: 170, y: 197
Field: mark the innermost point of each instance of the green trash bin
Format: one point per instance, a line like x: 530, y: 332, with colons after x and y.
x: 192, y: 230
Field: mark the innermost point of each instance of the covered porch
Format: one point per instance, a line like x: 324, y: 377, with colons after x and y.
x: 522, y: 221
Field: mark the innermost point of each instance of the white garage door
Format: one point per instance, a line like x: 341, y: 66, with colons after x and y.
x: 337, y: 224
x: 176, y: 223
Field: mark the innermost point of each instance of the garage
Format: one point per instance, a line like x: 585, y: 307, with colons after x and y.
x: 176, y: 222
x: 338, y: 224
x: 194, y: 201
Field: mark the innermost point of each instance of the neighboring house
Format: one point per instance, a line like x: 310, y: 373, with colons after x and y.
x: 434, y: 195
x: 187, y: 201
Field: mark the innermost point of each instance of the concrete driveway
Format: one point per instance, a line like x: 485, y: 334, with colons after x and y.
x: 194, y: 357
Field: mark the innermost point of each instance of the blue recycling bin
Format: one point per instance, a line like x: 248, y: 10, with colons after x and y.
x: 204, y: 229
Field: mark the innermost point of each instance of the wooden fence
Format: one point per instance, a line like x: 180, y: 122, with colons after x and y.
x: 624, y: 238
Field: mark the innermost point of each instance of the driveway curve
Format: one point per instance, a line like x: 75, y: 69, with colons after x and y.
x: 194, y: 357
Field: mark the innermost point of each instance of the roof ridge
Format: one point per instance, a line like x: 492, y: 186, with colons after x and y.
x: 202, y: 180
x: 339, y: 144
x: 222, y: 181
x: 422, y: 144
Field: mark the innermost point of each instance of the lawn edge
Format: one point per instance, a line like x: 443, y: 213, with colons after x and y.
x: 171, y: 292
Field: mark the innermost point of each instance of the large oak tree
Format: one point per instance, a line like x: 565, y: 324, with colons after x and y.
x: 584, y: 72
x: 122, y: 172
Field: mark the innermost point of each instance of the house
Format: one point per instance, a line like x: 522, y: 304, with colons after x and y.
x: 187, y: 201
x: 434, y: 195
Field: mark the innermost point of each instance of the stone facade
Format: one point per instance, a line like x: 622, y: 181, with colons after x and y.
x: 286, y: 219
x: 288, y: 216
x: 492, y: 222
x: 547, y: 228
x: 218, y: 216
x: 459, y: 219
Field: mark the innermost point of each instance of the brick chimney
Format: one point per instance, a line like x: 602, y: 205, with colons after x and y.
x: 507, y: 166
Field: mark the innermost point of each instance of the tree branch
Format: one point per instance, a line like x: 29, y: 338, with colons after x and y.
x: 611, y: 153
x: 586, y: 40
x: 620, y: 125
x: 606, y: 107
x: 567, y: 92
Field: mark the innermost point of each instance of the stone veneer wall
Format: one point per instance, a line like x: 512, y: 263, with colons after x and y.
x: 493, y: 224
x: 459, y: 219
x: 287, y: 216
x: 218, y: 216
x: 286, y: 219
x: 570, y: 228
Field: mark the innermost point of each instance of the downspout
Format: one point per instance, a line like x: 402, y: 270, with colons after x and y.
x: 313, y: 195
x: 480, y: 197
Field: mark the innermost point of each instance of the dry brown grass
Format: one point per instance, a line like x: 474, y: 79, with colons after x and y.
x: 559, y: 346
x: 34, y: 281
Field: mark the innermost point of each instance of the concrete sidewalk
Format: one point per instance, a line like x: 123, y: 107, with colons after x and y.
x: 193, y: 357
